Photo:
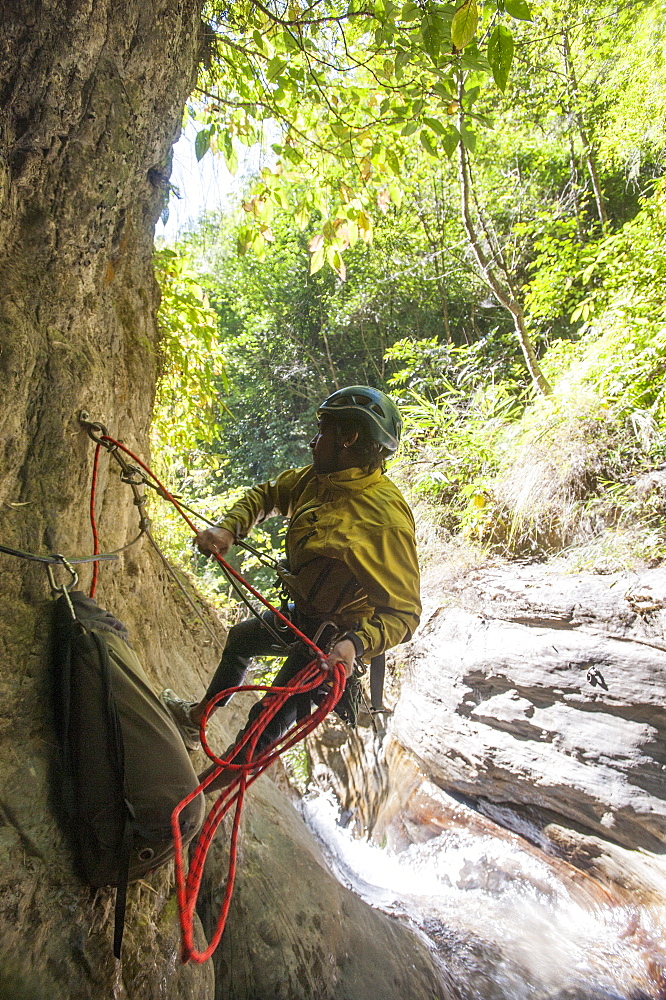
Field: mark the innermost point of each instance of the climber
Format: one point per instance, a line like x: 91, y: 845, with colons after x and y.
x: 351, y: 572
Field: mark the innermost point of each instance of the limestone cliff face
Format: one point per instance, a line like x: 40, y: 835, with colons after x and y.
x: 91, y: 102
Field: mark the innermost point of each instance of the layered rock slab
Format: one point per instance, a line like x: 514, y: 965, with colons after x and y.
x: 546, y: 691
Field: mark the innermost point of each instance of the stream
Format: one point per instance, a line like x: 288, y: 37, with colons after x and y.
x: 505, y: 920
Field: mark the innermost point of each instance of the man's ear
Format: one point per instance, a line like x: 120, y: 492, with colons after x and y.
x: 350, y: 441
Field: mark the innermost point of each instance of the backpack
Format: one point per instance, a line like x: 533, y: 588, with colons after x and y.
x: 123, y: 765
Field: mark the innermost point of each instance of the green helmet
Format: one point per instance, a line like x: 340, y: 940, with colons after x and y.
x: 374, y: 408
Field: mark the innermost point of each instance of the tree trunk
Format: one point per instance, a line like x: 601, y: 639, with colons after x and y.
x: 588, y: 147
x: 502, y: 291
x: 92, y: 97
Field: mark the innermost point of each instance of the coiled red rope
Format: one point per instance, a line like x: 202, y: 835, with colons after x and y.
x: 309, y: 679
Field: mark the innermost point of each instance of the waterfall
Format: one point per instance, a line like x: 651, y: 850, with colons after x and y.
x: 505, y: 919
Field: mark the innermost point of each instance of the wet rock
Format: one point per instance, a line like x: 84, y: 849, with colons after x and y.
x: 294, y: 932
x: 546, y: 693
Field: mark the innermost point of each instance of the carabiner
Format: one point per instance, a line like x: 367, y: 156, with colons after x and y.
x: 94, y: 425
x: 66, y: 587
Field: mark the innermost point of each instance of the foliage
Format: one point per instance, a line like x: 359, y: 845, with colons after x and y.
x: 457, y: 439
x: 289, y: 338
x: 578, y: 464
x: 344, y: 93
x: 188, y: 406
x: 360, y: 178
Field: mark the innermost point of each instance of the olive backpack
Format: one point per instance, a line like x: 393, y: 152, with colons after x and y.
x: 123, y: 766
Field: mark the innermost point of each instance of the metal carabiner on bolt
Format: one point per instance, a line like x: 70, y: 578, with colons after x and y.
x: 133, y: 476
x: 65, y: 587
x: 93, y: 426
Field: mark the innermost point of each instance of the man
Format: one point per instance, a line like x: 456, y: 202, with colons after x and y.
x: 351, y: 570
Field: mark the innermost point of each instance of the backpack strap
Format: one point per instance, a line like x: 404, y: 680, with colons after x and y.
x: 121, y: 889
x: 118, y: 758
x: 377, y: 673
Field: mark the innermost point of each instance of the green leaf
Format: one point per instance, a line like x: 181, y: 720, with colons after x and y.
x: 301, y: 217
x: 275, y: 67
x: 477, y: 64
x: 293, y: 155
x: 202, y: 143
x: 443, y: 91
x: 290, y: 43
x: 410, y: 12
x: 450, y: 141
x: 464, y: 24
x: 259, y: 246
x: 393, y: 162
x: 500, y: 54
x: 401, y: 60
x: 431, y: 34
x: 437, y: 127
x: 280, y: 197
x: 317, y: 261
x: 468, y: 138
x: 410, y: 128
x: 519, y: 9
x: 230, y: 156
x: 244, y: 239
x: 427, y: 144
x: 396, y: 193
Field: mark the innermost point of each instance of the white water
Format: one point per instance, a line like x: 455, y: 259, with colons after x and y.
x: 503, y: 921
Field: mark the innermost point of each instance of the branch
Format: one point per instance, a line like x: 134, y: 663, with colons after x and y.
x: 300, y: 22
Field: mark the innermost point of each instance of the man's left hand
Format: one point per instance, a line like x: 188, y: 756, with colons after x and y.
x: 343, y: 652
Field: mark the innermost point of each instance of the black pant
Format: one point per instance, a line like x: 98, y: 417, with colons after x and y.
x: 248, y: 639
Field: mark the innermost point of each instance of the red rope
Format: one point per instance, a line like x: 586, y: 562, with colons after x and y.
x: 93, y: 521
x: 188, y: 887
x: 310, y: 678
x: 255, y: 593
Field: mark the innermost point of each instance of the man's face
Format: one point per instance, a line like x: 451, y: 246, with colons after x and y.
x: 325, y: 448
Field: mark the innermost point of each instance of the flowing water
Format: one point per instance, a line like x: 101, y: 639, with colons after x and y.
x: 506, y: 921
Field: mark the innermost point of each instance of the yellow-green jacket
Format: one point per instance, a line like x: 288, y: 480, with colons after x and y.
x: 350, y: 547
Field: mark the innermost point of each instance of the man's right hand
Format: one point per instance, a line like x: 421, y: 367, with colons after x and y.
x: 215, y: 541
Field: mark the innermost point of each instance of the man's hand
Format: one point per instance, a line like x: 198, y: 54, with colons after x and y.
x: 215, y: 541
x: 344, y: 651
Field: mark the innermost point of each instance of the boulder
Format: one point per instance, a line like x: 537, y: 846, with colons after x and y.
x: 545, y: 692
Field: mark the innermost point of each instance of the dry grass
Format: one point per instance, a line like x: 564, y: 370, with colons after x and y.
x: 542, y: 494
x: 570, y: 475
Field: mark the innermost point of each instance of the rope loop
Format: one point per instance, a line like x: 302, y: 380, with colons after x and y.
x: 247, y: 771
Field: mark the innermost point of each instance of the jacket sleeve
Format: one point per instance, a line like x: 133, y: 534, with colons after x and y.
x: 264, y: 501
x: 386, y: 567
